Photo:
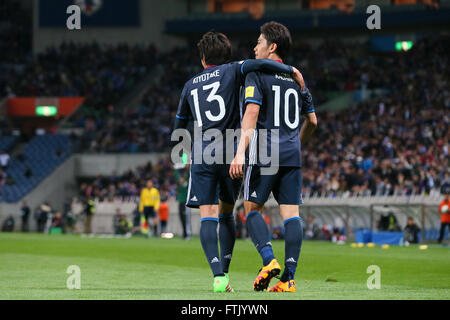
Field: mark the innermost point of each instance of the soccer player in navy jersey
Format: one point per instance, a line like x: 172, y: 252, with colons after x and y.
x: 274, y: 103
x: 211, y: 100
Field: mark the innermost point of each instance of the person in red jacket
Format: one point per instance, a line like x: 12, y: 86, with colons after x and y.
x: 445, y: 216
x: 163, y: 214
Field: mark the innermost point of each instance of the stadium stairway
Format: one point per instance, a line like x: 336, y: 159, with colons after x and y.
x: 41, y: 156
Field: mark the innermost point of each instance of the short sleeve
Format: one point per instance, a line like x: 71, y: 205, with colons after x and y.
x: 253, y: 90
x: 183, y: 111
x: 237, y: 70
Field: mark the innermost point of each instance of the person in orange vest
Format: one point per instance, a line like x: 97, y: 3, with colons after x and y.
x: 163, y: 214
x: 445, y: 216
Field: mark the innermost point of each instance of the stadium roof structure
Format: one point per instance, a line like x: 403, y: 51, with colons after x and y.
x: 392, y: 16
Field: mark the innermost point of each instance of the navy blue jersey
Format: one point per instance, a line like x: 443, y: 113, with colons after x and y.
x: 211, y: 98
x: 280, y: 99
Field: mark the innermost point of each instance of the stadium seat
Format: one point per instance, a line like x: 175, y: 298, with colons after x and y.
x: 41, y: 158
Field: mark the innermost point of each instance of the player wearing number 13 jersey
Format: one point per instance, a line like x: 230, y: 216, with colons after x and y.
x: 274, y: 104
x: 211, y: 100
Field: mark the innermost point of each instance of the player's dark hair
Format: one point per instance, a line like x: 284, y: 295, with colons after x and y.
x: 275, y: 32
x: 215, y: 47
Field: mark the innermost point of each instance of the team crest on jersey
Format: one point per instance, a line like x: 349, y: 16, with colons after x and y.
x: 249, y: 92
x: 89, y: 7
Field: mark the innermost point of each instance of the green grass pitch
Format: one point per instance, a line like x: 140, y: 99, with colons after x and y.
x: 33, y: 266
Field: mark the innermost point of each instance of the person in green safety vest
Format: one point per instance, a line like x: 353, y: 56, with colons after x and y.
x: 89, y: 211
x: 181, y: 196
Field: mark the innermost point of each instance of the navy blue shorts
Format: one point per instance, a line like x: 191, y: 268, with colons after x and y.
x: 209, y: 183
x: 286, y: 185
x: 149, y: 212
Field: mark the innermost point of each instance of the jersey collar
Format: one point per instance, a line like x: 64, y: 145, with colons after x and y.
x: 210, y: 66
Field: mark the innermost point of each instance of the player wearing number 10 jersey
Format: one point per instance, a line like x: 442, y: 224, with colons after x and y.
x: 274, y: 104
x: 211, y: 100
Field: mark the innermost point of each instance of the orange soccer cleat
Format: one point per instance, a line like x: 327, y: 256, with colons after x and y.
x: 288, y: 286
x: 265, y: 275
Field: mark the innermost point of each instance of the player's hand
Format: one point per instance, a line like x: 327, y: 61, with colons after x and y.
x: 236, y: 167
x: 298, y: 77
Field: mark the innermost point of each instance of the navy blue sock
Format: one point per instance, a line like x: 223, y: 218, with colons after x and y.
x: 259, y: 232
x: 293, y: 237
x: 227, y: 238
x: 208, y: 238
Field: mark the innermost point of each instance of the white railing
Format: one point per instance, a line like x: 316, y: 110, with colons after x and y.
x: 350, y: 213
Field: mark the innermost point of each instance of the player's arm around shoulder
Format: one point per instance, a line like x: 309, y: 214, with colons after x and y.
x: 264, y: 65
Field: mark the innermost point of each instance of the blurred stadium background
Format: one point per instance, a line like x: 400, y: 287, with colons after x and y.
x: 86, y: 115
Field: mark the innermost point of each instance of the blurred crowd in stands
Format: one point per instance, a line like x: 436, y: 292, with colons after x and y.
x: 4, y: 162
x: 101, y: 73
x: 147, y: 128
x: 395, y: 143
x: 390, y: 144
x: 15, y: 42
x: 129, y: 184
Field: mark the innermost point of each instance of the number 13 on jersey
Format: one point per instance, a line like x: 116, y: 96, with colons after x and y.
x: 213, y: 96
